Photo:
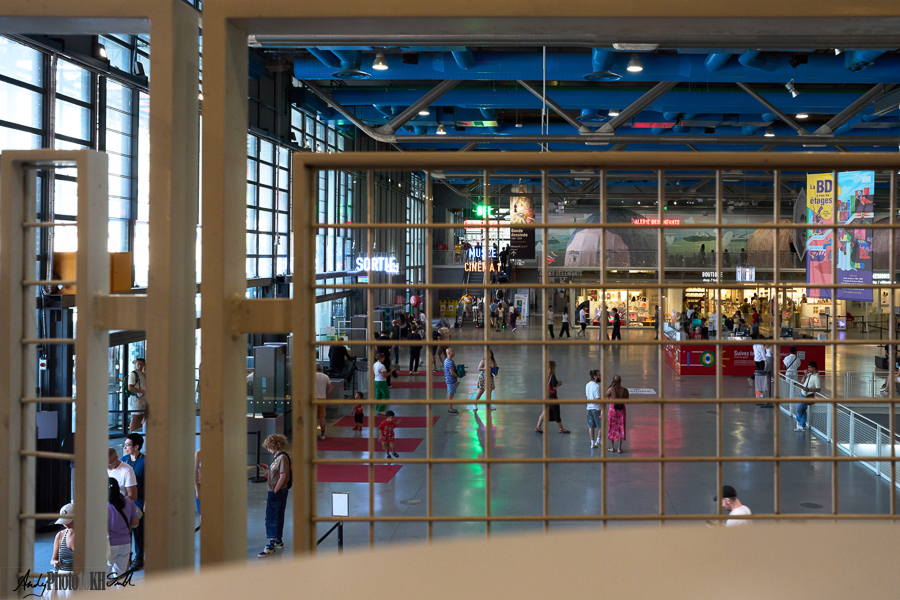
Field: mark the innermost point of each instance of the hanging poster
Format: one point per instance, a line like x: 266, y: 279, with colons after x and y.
x: 521, y: 210
x: 854, y: 246
x: 819, y: 243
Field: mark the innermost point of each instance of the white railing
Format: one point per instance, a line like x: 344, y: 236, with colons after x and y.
x: 856, y: 434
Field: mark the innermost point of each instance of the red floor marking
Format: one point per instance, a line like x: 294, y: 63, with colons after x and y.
x: 361, y: 444
x: 354, y: 473
x: 402, y: 421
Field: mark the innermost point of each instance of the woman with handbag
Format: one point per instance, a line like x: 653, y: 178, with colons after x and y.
x: 616, y: 428
x: 552, y: 384
x: 121, y: 519
x: 481, y: 379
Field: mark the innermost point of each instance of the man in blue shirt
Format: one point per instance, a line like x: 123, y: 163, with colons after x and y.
x: 452, y: 380
x: 134, y: 443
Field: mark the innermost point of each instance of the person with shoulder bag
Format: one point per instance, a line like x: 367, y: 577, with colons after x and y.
x: 811, y: 386
x: 616, y: 416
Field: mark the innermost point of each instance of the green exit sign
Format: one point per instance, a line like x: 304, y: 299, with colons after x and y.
x: 483, y: 211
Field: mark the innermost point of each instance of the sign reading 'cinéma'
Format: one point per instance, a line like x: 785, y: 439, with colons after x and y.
x: 378, y: 264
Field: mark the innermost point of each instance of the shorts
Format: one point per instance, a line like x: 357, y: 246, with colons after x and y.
x: 594, y: 419
x: 358, y: 418
x: 387, y: 438
x: 321, y: 410
x: 137, y: 403
x: 451, y: 386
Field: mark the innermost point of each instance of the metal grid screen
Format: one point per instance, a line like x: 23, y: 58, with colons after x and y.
x: 481, y: 166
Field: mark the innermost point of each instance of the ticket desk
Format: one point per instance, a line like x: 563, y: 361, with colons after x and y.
x: 737, y: 361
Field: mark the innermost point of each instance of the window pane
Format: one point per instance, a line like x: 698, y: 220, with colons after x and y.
x: 118, y: 96
x: 266, y: 151
x: 251, y: 267
x: 119, y: 208
x: 283, y: 201
x: 283, y: 179
x: 265, y: 197
x: 20, y: 106
x: 251, y: 194
x: 65, y: 198
x: 118, y: 236
x: 282, y: 223
x: 13, y: 139
x: 265, y: 244
x: 119, y: 56
x: 251, y: 218
x: 265, y: 267
x: 251, y: 145
x: 117, y: 142
x: 251, y: 243
x: 283, y: 156
x: 141, y: 254
x: 120, y: 186
x: 251, y: 170
x: 265, y: 174
x: 265, y: 220
x: 72, y: 120
x: 118, y: 121
x: 21, y: 62
x: 73, y: 81
x: 65, y: 239
x: 119, y: 165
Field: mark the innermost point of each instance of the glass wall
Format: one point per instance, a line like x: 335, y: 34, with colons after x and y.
x: 268, y: 204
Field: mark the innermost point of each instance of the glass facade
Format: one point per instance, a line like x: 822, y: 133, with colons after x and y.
x: 268, y: 208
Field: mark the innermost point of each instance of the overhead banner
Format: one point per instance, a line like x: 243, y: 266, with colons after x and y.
x: 854, y: 246
x: 521, y: 210
x: 819, y: 243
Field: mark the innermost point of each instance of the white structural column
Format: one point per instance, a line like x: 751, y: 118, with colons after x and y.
x: 91, y: 366
x: 171, y: 314
x: 223, y: 436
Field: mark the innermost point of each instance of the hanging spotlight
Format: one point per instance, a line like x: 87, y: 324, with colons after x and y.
x: 613, y: 112
x: 441, y: 130
x: 634, y: 65
x: 98, y: 50
x: 769, y: 132
x: 425, y: 112
x: 789, y: 86
x: 802, y: 116
x: 837, y: 52
x: 379, y: 64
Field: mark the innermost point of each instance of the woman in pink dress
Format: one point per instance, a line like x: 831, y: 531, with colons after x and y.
x: 616, y: 393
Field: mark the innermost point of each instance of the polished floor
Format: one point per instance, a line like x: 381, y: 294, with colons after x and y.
x: 576, y: 489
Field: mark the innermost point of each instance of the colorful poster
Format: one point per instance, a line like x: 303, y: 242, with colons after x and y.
x: 521, y: 210
x: 854, y: 246
x: 819, y: 243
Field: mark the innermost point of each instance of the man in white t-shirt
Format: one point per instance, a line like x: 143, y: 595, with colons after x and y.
x: 732, y: 504
x: 582, y: 321
x: 759, y: 356
x: 791, y: 364
x: 123, y: 474
x: 550, y: 320
x: 324, y: 389
x: 810, y: 387
x: 594, y: 408
x: 137, y: 401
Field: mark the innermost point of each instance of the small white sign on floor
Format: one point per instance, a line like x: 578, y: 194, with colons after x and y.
x: 645, y: 391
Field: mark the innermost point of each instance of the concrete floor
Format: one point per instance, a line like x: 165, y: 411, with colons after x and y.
x: 575, y: 489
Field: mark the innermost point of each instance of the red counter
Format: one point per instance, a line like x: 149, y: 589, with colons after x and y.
x: 737, y: 361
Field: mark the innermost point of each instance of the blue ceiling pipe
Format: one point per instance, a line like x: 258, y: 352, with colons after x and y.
x: 716, y: 60
x: 464, y: 58
x: 590, y: 115
x: 857, y: 60
x: 602, y: 62
x: 326, y: 57
x: 571, y: 66
x: 672, y: 116
x: 756, y: 59
x: 681, y: 101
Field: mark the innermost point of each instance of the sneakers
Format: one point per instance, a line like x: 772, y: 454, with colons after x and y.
x: 321, y: 436
x: 452, y: 411
x: 593, y: 445
x: 267, y: 551
x: 276, y: 544
x: 799, y: 428
x: 388, y: 455
x: 396, y: 455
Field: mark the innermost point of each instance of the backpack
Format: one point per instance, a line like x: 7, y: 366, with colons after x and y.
x: 290, y: 482
x: 126, y: 393
x: 460, y: 370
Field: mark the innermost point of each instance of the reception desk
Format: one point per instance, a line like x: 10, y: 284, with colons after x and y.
x: 737, y: 361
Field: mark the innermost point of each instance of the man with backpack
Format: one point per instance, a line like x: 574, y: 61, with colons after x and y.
x: 136, y: 394
x: 280, y: 480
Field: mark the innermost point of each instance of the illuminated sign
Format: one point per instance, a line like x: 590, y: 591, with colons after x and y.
x: 378, y: 264
x: 484, y: 211
x: 478, y: 267
x: 655, y: 221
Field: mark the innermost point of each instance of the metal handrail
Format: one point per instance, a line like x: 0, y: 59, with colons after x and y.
x: 854, y: 421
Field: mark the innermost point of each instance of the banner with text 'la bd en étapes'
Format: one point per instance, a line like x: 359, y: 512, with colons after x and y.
x: 819, y: 242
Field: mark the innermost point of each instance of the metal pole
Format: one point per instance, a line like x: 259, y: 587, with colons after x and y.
x: 340, y: 528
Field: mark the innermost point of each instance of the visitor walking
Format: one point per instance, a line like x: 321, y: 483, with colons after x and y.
x: 451, y: 377
x: 791, y: 364
x: 552, y: 409
x: 732, y: 504
x: 324, y: 389
x: 616, y: 426
x: 582, y: 322
x: 482, y: 384
x: 63, y: 558
x: 382, y: 391
x: 810, y: 387
x: 594, y: 409
x: 617, y: 324
x: 122, y: 517
x: 550, y: 320
x: 754, y: 321
x: 565, y: 324
x: 415, y: 352
x: 137, y: 398
x: 513, y: 313
x: 656, y: 323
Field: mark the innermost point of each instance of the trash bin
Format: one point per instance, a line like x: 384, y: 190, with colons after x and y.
x: 361, y: 377
x: 762, y: 384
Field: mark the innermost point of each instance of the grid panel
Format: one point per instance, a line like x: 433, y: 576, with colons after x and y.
x: 823, y: 416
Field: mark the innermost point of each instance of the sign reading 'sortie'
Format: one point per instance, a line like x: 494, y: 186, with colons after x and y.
x: 379, y: 264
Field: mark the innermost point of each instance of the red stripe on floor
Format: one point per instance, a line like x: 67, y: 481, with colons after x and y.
x: 354, y: 473
x: 361, y: 444
x: 406, y: 385
x: 401, y: 421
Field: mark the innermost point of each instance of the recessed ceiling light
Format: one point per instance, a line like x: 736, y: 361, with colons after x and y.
x: 644, y: 47
x: 802, y: 116
x: 424, y: 112
x: 379, y: 64
x: 613, y: 112
x: 634, y: 65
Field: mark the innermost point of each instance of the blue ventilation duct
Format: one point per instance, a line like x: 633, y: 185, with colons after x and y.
x: 716, y: 60
x: 756, y: 59
x: 350, y: 63
x: 590, y: 115
x: 464, y: 58
x: 857, y: 60
x: 601, y: 62
x: 672, y: 116
x: 328, y: 59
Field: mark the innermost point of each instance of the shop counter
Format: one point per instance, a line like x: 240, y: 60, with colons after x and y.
x: 737, y: 361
